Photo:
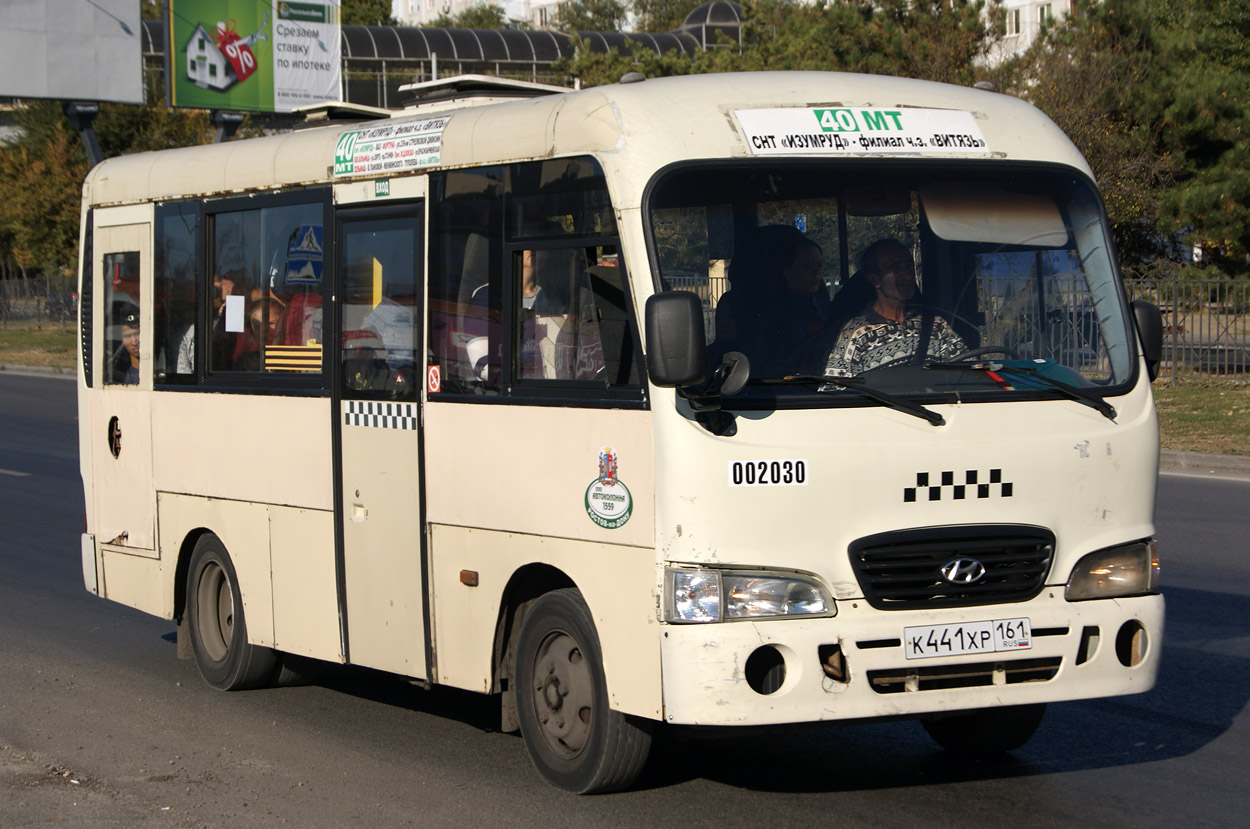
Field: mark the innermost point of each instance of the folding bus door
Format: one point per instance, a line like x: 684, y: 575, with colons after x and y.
x: 380, y: 291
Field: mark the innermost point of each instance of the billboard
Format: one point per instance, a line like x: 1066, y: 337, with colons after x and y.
x: 258, y: 55
x: 71, y: 50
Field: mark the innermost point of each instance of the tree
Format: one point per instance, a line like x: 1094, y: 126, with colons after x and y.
x: 486, y: 16
x: 43, y: 166
x: 366, y: 13
x: 937, y: 40
x: 41, y: 173
x: 1205, y: 120
x: 1153, y: 93
x: 661, y: 15
x: 590, y: 16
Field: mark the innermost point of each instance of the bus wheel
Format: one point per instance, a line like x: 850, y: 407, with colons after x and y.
x: 573, y: 738
x: 987, y: 731
x: 216, y: 624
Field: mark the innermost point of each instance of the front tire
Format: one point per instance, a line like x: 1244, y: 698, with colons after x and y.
x: 987, y: 731
x: 217, y: 626
x: 572, y: 736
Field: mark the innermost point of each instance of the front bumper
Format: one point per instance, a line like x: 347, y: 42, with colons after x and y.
x: 1080, y: 650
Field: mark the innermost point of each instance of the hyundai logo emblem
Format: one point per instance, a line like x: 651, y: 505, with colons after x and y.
x: 963, y: 571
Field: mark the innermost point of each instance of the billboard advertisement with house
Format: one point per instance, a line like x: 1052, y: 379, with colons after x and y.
x: 258, y: 55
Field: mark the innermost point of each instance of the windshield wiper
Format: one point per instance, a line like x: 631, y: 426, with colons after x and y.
x: 1071, y: 392
x: 856, y: 384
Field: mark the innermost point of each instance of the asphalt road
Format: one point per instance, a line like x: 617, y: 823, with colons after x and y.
x: 101, y: 725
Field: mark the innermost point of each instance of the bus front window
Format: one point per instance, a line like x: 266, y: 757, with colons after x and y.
x: 908, y: 278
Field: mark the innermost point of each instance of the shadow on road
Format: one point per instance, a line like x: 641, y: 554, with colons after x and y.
x: 1203, y: 685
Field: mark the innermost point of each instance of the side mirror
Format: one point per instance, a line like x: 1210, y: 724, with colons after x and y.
x: 676, y: 353
x: 1150, y: 332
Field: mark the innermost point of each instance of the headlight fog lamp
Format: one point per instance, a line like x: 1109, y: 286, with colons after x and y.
x: 701, y: 595
x: 1129, y: 570
x: 692, y: 595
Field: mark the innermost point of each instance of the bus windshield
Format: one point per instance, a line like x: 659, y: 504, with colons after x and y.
x: 920, y: 280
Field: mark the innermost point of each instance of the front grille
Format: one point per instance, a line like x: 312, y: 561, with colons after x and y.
x: 942, y: 677
x: 903, y: 570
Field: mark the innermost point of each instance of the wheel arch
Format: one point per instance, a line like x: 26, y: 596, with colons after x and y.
x: 182, y: 570
x: 524, y: 586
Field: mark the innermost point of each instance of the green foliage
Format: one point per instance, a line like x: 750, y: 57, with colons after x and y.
x: 931, y: 39
x: 367, y: 13
x: 486, y: 16
x: 661, y: 15
x: 42, y: 170
x: 590, y: 16
x: 41, y: 177
x: 1084, y: 75
x: 1154, y: 93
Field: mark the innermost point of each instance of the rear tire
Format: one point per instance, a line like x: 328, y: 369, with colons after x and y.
x: 987, y: 731
x: 572, y: 736
x: 217, y: 626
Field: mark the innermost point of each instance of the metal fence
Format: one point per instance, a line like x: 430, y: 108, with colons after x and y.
x: 1206, y: 326
x: 43, y: 300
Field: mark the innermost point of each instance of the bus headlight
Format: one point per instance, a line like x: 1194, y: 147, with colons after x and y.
x: 696, y: 595
x: 1120, y: 571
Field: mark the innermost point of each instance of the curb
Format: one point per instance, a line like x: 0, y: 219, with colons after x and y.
x: 40, y: 371
x: 1205, y: 466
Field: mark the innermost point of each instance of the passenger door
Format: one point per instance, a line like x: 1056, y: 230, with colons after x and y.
x: 380, y: 509
x: 119, y: 424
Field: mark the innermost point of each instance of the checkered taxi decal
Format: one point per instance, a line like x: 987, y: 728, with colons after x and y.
x: 378, y: 415
x: 972, y: 484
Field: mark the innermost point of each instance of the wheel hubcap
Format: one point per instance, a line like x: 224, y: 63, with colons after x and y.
x: 563, y: 694
x: 215, y: 611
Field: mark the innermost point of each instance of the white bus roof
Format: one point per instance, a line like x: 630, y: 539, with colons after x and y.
x: 651, y: 123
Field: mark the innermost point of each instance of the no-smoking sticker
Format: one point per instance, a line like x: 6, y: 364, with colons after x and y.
x: 433, y: 380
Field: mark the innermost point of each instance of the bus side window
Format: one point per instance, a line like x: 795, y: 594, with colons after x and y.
x: 611, y: 309
x: 544, y: 312
x: 466, y: 291
x: 573, y: 318
x: 380, y: 307
x: 122, y: 333
x: 174, y: 309
x: 266, y: 290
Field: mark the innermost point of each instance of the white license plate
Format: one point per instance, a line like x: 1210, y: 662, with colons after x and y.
x: 925, y: 641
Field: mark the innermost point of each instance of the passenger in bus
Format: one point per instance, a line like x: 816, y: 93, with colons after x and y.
x: 126, y: 364
x: 892, y: 330
x: 542, y: 313
x: 223, y: 341
x: 264, y: 318
x: 533, y: 298
x: 185, y: 359
x: 777, y: 304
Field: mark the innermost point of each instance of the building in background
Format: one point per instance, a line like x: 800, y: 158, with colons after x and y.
x: 422, y: 12
x: 1025, y: 19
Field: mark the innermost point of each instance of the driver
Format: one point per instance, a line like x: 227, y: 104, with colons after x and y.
x: 889, y: 331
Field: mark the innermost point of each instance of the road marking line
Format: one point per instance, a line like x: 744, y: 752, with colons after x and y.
x: 14, y: 473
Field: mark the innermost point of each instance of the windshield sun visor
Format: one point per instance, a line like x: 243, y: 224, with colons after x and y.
x: 989, y: 214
